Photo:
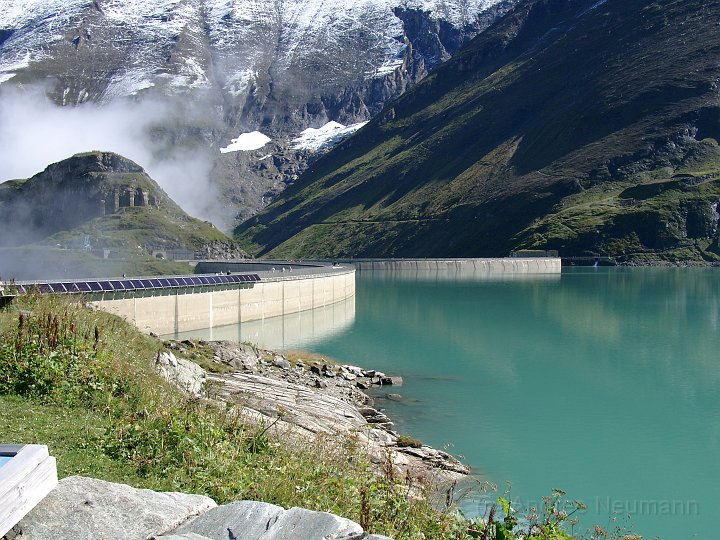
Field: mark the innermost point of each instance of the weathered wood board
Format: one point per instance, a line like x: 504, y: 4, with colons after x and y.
x: 24, y: 481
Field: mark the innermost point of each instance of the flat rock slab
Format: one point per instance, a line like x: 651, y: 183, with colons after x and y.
x: 88, y: 509
x: 184, y: 536
x: 239, y: 519
x: 249, y: 520
x: 314, y: 411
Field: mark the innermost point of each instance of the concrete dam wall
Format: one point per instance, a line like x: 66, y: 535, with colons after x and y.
x: 509, y: 265
x: 181, y: 310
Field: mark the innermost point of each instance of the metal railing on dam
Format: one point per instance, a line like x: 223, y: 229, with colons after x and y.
x: 172, y: 304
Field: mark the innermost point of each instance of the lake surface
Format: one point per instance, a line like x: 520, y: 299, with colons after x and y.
x: 604, y: 382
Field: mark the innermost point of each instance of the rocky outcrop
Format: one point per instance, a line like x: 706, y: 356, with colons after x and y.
x: 186, y: 375
x: 71, y: 192
x: 261, y: 521
x: 103, y: 201
x: 88, y: 509
x: 220, y: 250
x: 311, y: 398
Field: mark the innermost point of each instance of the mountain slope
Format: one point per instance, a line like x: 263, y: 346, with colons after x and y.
x: 278, y: 66
x: 98, y: 200
x: 536, y: 135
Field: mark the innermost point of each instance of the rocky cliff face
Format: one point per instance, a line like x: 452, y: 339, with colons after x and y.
x: 276, y: 67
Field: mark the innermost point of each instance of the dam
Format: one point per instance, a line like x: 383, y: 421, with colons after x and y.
x: 171, y: 305
x: 478, y: 266
x: 224, y: 293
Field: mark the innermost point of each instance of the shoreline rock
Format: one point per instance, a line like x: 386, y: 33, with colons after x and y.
x: 312, y: 397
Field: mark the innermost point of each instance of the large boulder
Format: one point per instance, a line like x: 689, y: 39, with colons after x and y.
x: 251, y: 520
x: 184, y: 374
x: 88, y: 509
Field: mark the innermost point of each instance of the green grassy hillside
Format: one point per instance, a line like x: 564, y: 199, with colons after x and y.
x: 64, y: 221
x: 531, y: 137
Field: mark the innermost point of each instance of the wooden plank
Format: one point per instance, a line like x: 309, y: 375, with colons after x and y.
x: 10, y: 449
x: 26, y: 459
x: 24, y: 482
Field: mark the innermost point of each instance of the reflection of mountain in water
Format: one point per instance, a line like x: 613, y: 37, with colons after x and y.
x: 293, y: 331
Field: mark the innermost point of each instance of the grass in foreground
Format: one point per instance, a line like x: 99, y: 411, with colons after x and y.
x: 82, y: 382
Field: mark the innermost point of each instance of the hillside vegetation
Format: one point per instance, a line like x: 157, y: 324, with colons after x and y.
x: 92, y: 214
x: 584, y: 126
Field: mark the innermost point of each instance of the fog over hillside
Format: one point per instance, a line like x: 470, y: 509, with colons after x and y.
x: 34, y: 133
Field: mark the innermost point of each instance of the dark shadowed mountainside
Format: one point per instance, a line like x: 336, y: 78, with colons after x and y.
x: 585, y: 126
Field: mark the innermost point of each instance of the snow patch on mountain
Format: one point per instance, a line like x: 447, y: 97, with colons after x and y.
x: 246, y: 142
x: 325, y: 137
x: 388, y: 67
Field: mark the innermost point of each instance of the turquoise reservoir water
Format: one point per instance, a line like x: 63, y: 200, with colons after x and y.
x: 602, y: 382
x: 4, y: 460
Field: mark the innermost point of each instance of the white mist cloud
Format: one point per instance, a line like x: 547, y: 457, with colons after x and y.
x: 34, y: 132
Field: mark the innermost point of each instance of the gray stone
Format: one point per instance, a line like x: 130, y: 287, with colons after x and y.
x: 393, y: 381
x: 381, y: 437
x: 239, y: 356
x: 298, y: 523
x: 282, y: 363
x: 368, y: 411
x: 328, y: 371
x: 183, y: 536
x: 377, y: 537
x: 394, y: 397
x: 184, y: 374
x: 302, y: 406
x: 88, y: 509
x: 249, y: 520
x: 241, y: 519
x: 361, y: 385
x: 354, y: 370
